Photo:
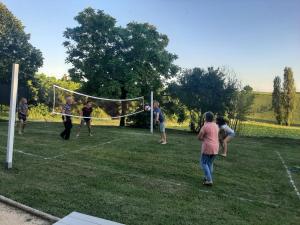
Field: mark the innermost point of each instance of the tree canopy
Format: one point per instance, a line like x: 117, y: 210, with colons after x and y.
x: 288, y: 95
x: 203, y: 90
x: 15, y: 48
x: 116, y: 61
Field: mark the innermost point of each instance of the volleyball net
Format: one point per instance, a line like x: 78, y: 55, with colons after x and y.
x: 103, y: 108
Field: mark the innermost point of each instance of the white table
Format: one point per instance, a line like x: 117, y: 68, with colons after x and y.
x: 76, y: 218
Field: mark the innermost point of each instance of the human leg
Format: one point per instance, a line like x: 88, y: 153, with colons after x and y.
x: 204, y: 161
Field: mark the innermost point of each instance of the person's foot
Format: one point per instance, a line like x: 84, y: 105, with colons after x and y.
x: 223, y: 154
x: 164, y: 143
x: 62, y: 136
x: 77, y: 135
x: 208, y: 183
x: 91, y: 135
x: 160, y: 141
x: 20, y: 132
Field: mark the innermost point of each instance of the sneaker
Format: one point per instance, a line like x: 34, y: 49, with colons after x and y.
x: 91, y: 135
x: 164, y: 143
x: 223, y: 154
x: 77, y: 135
x: 160, y: 141
x: 208, y: 183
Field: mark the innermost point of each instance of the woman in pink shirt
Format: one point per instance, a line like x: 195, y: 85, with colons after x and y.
x: 210, y: 146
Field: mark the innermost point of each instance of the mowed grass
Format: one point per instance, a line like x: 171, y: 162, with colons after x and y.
x: 262, y: 108
x: 123, y: 175
x: 258, y: 129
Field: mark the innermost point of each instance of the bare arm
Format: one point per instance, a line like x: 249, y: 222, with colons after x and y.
x: 63, y: 112
x: 157, y: 117
x: 201, y: 135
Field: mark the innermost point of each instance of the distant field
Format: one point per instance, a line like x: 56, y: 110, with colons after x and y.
x: 262, y: 108
x: 123, y: 174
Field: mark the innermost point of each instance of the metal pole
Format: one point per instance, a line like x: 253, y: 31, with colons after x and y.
x: 151, y: 116
x: 12, y: 116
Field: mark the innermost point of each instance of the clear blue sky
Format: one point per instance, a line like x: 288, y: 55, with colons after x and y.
x: 255, y: 38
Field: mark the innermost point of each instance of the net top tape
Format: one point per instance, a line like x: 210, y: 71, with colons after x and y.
x: 104, y: 99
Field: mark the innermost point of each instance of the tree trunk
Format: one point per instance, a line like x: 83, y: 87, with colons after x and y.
x: 123, y: 107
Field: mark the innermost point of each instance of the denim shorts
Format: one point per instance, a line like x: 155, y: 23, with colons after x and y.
x: 162, y: 127
x: 231, y: 135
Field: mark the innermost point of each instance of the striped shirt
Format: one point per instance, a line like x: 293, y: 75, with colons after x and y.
x: 23, y: 109
x: 67, y: 109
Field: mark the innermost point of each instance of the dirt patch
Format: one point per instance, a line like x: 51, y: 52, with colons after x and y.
x: 12, y: 216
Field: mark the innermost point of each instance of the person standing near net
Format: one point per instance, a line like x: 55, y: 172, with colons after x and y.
x: 86, y: 113
x: 226, y: 134
x: 66, y: 116
x: 210, y: 147
x: 22, y: 114
x: 160, y: 120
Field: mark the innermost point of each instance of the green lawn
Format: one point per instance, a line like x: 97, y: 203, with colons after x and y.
x: 262, y: 108
x: 125, y: 176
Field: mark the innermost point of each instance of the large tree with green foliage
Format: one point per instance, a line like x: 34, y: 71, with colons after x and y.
x: 41, y: 88
x: 288, y: 95
x: 277, y: 99
x: 240, y: 105
x: 15, y: 48
x: 203, y: 90
x: 114, y: 61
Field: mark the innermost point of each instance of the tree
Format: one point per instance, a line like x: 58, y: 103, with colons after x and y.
x: 288, y: 96
x: 15, y: 48
x: 202, y: 91
x: 41, y: 88
x: 241, y: 105
x: 277, y: 99
x: 117, y: 62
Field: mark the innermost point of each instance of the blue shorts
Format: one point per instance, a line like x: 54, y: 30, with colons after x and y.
x: 231, y: 135
x: 162, y: 127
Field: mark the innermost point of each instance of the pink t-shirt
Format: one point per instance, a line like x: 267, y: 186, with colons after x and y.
x: 210, y: 142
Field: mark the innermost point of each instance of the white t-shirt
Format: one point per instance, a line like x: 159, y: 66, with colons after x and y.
x: 227, y: 129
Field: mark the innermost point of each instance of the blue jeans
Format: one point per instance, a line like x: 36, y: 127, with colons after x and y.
x: 207, y: 165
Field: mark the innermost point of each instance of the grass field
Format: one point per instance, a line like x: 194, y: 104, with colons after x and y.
x: 262, y: 108
x: 125, y: 176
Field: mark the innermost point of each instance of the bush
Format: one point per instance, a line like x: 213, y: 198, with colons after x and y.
x: 39, y: 111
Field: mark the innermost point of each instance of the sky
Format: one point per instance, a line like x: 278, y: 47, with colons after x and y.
x: 254, y: 38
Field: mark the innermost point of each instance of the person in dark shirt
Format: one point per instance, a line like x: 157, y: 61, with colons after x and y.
x: 22, y: 114
x: 86, y: 113
x: 160, y: 120
x: 66, y: 116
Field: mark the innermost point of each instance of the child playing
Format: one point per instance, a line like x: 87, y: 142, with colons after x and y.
x: 66, y: 111
x: 159, y: 119
x: 86, y: 112
x: 226, y: 134
x: 22, y: 114
x: 210, y: 147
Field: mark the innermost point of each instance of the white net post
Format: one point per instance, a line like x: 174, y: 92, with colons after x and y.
x: 151, y: 114
x: 53, y: 109
x: 12, y: 116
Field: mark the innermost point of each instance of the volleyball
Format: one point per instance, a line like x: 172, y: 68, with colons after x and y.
x: 147, y: 107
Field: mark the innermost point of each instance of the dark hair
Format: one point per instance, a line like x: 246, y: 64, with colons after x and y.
x: 87, y: 102
x: 220, y: 121
x: 209, y: 116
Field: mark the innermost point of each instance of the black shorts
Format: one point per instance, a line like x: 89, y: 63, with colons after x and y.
x: 86, y: 120
x: 22, y: 117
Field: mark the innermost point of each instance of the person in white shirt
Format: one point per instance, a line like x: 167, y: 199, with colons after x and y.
x: 226, y: 134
